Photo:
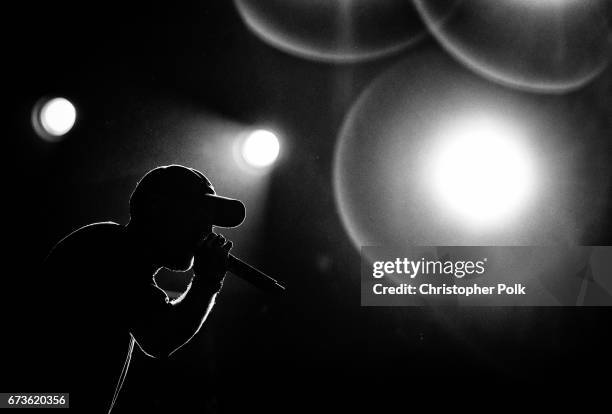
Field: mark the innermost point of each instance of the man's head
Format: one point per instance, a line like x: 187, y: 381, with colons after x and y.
x: 173, y: 208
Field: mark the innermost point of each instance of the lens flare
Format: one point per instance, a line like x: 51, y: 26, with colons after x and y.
x: 545, y: 46
x: 334, y: 30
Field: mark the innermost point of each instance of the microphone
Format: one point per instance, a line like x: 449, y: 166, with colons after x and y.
x: 256, y: 277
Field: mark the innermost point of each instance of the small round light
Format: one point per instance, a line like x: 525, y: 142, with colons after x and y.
x: 260, y: 149
x: 55, y: 117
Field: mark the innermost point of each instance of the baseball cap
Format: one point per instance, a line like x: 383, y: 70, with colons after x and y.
x: 180, y: 184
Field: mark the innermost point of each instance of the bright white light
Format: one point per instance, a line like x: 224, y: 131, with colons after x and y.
x: 482, y: 171
x: 57, y: 116
x: 260, y: 149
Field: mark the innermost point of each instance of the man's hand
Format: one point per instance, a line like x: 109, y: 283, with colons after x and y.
x: 210, y: 259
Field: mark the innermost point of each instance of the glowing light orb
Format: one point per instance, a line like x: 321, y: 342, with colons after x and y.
x: 432, y: 155
x: 260, y: 149
x: 550, y: 46
x: 54, y: 118
x: 334, y: 30
x: 481, y: 171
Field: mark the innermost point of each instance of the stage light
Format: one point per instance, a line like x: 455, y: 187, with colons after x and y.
x: 260, y: 149
x: 53, y: 118
x: 481, y: 170
x: 440, y: 157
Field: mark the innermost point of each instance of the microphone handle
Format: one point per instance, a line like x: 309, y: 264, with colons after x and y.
x: 250, y: 274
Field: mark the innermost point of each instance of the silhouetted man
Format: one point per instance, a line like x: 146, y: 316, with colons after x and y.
x: 106, y: 298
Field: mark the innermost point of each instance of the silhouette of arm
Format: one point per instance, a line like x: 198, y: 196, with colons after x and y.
x: 168, y: 325
x: 164, y: 326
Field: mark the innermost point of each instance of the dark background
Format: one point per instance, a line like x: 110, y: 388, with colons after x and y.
x: 316, y: 348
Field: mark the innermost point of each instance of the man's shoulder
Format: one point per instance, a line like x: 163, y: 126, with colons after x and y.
x: 103, y: 227
x: 103, y: 233
x: 94, y: 231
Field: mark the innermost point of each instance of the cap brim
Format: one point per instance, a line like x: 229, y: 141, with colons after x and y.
x: 226, y: 212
